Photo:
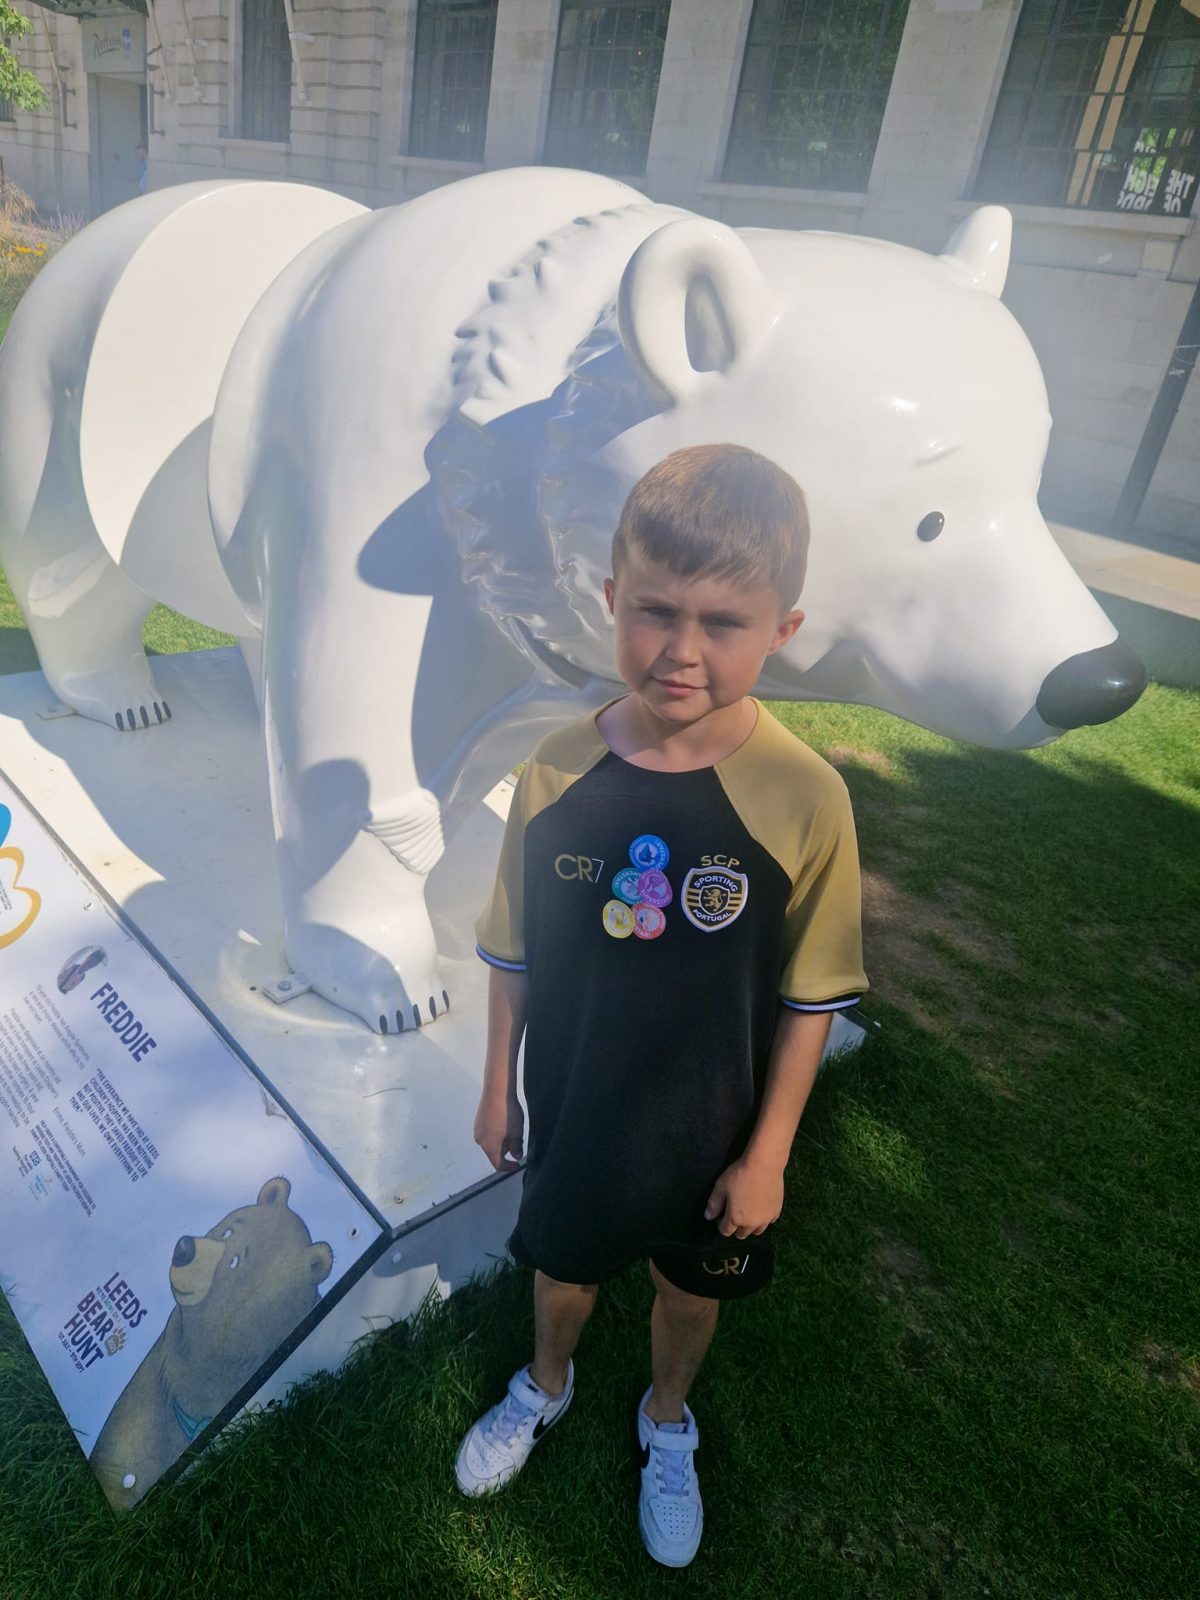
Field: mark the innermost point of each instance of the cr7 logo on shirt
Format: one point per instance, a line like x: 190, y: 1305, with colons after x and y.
x: 579, y: 869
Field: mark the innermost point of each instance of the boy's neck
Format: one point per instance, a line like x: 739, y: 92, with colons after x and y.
x: 632, y: 731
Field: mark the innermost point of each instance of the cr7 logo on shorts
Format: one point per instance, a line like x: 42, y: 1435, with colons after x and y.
x: 579, y: 869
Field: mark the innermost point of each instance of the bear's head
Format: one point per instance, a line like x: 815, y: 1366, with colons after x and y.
x: 242, y: 1287
x: 904, y: 398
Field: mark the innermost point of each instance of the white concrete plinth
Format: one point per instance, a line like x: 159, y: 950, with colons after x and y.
x: 174, y: 824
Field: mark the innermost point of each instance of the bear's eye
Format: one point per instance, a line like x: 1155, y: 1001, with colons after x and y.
x: 930, y: 526
x: 233, y: 1262
x: 228, y: 1234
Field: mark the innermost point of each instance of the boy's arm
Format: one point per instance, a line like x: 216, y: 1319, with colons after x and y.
x: 748, y: 1196
x: 499, y: 1121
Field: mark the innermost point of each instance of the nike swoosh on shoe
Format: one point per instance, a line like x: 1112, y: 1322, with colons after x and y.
x: 541, y: 1426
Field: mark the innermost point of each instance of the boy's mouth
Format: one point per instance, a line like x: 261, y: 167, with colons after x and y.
x: 673, y: 687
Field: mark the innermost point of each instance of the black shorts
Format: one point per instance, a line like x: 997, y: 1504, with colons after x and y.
x: 728, y: 1269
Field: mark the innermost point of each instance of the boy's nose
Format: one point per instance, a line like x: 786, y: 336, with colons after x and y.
x: 683, y: 645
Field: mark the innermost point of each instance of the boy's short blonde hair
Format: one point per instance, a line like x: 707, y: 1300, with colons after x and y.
x: 722, y: 511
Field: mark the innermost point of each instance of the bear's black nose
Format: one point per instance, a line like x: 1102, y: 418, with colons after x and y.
x: 1095, y: 686
x: 185, y: 1251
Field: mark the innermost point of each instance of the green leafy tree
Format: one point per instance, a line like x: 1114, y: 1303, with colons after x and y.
x: 16, y: 84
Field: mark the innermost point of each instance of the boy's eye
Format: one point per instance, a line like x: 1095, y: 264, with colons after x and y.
x: 657, y: 611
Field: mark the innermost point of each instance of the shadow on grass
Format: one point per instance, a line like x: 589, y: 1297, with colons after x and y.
x: 16, y: 651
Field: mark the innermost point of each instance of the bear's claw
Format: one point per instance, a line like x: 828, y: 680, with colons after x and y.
x: 403, y: 1025
x: 127, y: 720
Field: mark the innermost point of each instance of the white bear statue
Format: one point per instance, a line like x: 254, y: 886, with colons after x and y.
x: 417, y: 426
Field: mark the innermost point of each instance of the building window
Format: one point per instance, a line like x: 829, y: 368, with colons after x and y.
x: 452, y: 77
x: 605, y: 84
x: 815, y: 79
x: 1098, y: 108
x: 8, y: 111
x: 266, y: 76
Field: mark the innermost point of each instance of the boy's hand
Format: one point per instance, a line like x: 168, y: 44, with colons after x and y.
x: 500, y: 1131
x: 746, y: 1199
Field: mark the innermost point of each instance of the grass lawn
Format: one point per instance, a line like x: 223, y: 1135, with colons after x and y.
x: 977, y: 1373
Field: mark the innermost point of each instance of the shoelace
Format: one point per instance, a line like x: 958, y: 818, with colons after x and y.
x: 672, y: 1468
x: 503, y: 1429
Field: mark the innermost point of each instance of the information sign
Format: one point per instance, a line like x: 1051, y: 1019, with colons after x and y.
x: 167, y: 1226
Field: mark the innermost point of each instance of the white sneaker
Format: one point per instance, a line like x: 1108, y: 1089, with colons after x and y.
x: 499, y: 1444
x: 670, y: 1512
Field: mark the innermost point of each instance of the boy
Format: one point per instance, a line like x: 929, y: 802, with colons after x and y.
x: 675, y: 917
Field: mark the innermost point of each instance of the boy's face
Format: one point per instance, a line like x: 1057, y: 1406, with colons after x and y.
x: 689, y: 646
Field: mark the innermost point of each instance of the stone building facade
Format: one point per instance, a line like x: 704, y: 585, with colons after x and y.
x: 879, y: 117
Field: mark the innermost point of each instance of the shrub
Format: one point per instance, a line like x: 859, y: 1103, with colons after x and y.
x: 27, y: 241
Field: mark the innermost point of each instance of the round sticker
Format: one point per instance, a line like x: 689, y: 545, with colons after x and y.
x: 653, y: 888
x: 618, y: 919
x: 625, y: 886
x: 648, y: 921
x: 649, y: 852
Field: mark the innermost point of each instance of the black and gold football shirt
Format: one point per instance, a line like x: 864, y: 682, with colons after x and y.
x: 662, y: 917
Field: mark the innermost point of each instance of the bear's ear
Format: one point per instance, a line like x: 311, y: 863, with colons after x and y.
x: 274, y: 1192
x: 692, y: 301
x: 320, y: 1263
x: 980, y: 247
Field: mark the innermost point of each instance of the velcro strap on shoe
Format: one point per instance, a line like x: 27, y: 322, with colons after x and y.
x: 521, y: 1388
x: 673, y: 1441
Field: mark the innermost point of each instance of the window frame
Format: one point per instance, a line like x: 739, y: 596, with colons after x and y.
x: 243, y: 121
x: 428, y: 13
x: 1009, y: 169
x: 746, y: 160
x: 8, y: 108
x: 566, y: 141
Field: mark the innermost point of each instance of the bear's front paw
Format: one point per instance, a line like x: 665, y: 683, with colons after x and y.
x: 401, y: 1020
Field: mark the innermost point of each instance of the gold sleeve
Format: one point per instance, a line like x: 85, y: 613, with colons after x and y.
x: 500, y: 928
x: 560, y: 760
x: 823, y: 928
x: 797, y: 807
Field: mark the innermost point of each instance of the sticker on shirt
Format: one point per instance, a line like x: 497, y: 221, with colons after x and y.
x: 713, y: 897
x: 653, y: 888
x: 649, y: 853
x: 648, y: 922
x: 625, y: 886
x: 618, y: 919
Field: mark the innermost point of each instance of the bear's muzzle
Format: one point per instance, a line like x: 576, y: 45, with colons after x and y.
x: 1094, y: 686
x: 193, y: 1267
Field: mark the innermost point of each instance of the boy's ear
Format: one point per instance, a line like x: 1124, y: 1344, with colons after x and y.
x: 609, y: 591
x: 785, y: 631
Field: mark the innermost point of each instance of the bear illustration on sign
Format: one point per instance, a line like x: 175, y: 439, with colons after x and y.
x: 240, y: 1290
x: 387, y: 450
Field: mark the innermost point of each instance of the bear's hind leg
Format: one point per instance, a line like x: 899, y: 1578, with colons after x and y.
x: 88, y: 634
